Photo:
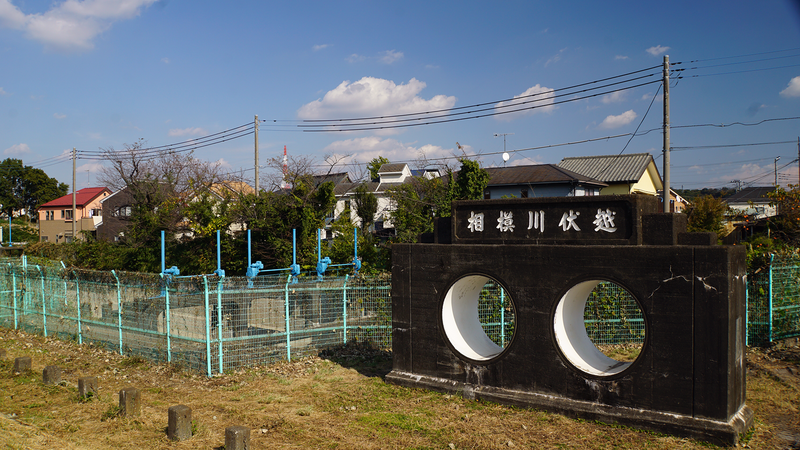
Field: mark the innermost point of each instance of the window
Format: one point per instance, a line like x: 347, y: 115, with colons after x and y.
x: 487, y: 195
x: 523, y: 193
x: 68, y: 213
x: 62, y: 213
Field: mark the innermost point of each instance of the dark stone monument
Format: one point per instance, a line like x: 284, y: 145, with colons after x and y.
x: 237, y: 438
x: 87, y: 387
x: 179, y: 426
x: 51, y: 375
x: 549, y: 254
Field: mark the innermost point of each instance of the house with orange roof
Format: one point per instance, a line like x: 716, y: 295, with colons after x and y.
x: 56, y: 216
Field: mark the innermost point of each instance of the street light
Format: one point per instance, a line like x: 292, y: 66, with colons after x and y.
x: 776, y: 171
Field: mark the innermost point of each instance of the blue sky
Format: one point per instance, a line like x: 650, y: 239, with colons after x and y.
x: 104, y: 73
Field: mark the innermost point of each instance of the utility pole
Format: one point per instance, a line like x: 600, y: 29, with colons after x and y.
x: 798, y: 161
x: 256, y: 134
x: 777, y: 158
x: 666, y: 134
x: 73, y: 194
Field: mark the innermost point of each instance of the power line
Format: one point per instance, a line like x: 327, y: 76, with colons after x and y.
x: 478, y: 105
x: 732, y: 145
x: 496, y: 113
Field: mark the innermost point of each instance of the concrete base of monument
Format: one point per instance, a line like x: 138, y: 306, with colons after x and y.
x: 717, y: 432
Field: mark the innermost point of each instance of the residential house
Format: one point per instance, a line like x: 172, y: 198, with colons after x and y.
x: 540, y: 180
x: 634, y: 173
x: 56, y: 218
x: 752, y: 202
x: 749, y: 211
x: 117, y: 210
x: 389, y: 175
x: 677, y: 203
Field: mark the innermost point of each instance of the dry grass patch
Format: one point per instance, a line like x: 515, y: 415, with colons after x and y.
x: 337, y: 401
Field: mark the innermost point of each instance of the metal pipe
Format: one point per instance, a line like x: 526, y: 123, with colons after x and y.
x: 119, y: 311
x: 208, y: 326
x: 249, y: 258
x: 163, y: 256
x: 219, y: 254
x: 286, y: 315
x: 44, y: 302
x: 344, y: 309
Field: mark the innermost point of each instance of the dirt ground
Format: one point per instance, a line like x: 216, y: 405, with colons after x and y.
x: 336, y: 400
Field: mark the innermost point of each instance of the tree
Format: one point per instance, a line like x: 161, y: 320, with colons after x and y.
x: 421, y: 200
x: 374, y: 166
x: 366, y: 205
x: 26, y: 187
x: 161, y: 185
x: 707, y: 214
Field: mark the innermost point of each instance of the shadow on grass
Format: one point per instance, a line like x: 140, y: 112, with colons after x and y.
x: 364, y: 357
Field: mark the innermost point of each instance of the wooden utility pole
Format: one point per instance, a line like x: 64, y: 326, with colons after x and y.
x: 73, y: 194
x: 666, y: 135
x: 256, y: 138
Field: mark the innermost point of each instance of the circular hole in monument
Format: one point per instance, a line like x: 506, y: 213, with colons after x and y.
x: 478, y: 317
x: 599, y: 327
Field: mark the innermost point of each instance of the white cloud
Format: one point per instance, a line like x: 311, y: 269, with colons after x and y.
x: 614, y: 97
x: 390, y: 56
x: 620, y: 57
x: 367, y: 148
x: 649, y: 97
x: 71, y: 25
x: 2, y: 91
x: 355, y: 57
x: 165, y: 60
x: 538, y: 97
x: 555, y: 58
x: 17, y: 149
x: 221, y: 163
x: 524, y: 161
x: 657, y: 50
x: 618, y: 121
x: 60, y: 116
x: 373, y: 96
x: 793, y: 89
x: 187, y: 132
x: 320, y: 47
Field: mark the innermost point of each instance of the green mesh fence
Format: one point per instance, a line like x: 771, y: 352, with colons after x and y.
x: 211, y: 324
x: 202, y: 323
x: 773, y: 302
x: 496, y: 314
x: 612, y: 316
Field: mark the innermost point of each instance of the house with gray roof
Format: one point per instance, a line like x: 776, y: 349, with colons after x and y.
x: 634, y: 173
x: 752, y: 203
x: 539, y: 180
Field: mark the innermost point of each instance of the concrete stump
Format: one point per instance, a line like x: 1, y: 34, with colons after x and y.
x: 87, y: 387
x: 51, y: 375
x: 237, y: 438
x: 22, y: 364
x: 180, y: 422
x: 130, y: 402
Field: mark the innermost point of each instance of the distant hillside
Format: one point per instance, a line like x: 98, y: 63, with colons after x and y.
x: 691, y: 194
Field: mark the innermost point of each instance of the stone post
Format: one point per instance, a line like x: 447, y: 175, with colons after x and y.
x: 87, y: 387
x: 130, y: 402
x: 237, y: 438
x: 51, y: 375
x: 22, y: 365
x: 180, y: 422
